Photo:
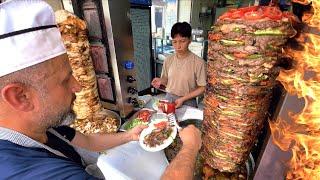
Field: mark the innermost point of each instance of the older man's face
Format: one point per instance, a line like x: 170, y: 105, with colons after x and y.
x: 58, y: 94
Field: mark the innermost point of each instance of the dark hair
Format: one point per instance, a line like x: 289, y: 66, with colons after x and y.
x: 181, y: 28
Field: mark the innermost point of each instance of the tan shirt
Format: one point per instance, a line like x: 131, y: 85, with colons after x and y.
x: 183, y: 75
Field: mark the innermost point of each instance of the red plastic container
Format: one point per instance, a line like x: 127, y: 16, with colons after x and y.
x: 167, y: 107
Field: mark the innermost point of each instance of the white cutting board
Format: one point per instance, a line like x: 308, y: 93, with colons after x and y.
x: 188, y: 112
x: 130, y: 162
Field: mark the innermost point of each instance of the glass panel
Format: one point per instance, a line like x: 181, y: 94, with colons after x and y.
x: 163, y: 16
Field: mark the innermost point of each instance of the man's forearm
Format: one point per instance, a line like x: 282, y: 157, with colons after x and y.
x: 101, y: 142
x: 183, y: 165
x: 200, y: 90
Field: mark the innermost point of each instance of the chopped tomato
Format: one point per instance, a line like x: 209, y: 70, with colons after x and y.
x: 144, y: 115
x: 237, y: 15
x: 232, y: 10
x: 248, y: 9
x: 161, y: 125
x: 225, y: 15
x: 240, y: 55
x: 232, y: 13
x: 254, y: 15
x: 273, y: 13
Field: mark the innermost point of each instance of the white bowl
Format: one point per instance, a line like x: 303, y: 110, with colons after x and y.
x: 200, y: 39
x: 114, y: 115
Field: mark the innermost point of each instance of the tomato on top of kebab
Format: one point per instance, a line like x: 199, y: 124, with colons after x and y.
x: 248, y: 21
x: 254, y: 13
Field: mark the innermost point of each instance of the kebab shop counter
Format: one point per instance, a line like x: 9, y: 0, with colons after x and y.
x: 121, y: 162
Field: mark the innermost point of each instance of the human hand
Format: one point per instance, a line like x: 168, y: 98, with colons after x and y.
x: 135, y: 132
x: 191, y: 137
x: 179, y: 102
x: 156, y: 82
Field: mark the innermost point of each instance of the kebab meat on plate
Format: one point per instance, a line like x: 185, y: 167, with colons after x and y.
x: 157, y: 136
x: 244, y: 46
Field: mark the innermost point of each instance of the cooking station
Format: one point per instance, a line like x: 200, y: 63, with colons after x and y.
x: 116, y: 73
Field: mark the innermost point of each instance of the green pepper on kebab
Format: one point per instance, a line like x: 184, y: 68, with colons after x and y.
x: 229, y: 57
x: 269, y: 31
x: 254, y: 56
x: 225, y: 42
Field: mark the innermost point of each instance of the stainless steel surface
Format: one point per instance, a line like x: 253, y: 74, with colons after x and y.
x: 114, y: 21
x: 272, y: 164
x: 91, y: 15
x: 67, y: 5
x: 119, y: 34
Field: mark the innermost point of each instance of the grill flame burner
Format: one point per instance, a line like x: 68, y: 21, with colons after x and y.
x: 296, y: 130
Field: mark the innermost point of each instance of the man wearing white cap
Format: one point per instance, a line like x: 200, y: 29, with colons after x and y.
x: 36, y: 92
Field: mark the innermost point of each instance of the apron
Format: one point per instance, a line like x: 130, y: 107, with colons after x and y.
x: 191, y: 102
x: 88, y: 158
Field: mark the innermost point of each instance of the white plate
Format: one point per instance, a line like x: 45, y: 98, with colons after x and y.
x: 165, y: 143
x: 158, y: 117
x: 155, y: 105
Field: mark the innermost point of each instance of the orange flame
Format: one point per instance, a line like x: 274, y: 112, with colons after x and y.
x: 302, y: 136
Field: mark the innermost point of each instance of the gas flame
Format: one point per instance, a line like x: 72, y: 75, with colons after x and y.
x: 302, y: 136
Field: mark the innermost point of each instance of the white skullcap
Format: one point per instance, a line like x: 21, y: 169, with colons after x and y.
x: 28, y: 35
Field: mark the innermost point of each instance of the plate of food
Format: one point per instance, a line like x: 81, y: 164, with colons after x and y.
x: 157, y: 136
x: 141, y: 117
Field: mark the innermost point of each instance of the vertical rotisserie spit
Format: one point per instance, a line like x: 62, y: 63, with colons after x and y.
x: 244, y: 45
x: 91, y: 116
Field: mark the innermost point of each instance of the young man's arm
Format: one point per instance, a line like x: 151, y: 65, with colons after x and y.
x: 183, y: 165
x: 200, y: 90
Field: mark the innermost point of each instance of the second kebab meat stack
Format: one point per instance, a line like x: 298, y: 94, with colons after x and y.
x: 91, y: 116
x: 242, y: 55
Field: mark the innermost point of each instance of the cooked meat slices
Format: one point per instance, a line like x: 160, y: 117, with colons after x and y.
x: 157, y: 136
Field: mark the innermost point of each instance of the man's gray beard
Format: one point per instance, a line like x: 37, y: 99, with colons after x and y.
x: 67, y: 118
x: 47, y: 120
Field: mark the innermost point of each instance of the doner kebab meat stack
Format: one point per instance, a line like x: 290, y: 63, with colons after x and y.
x: 243, y: 51
x: 91, y: 116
